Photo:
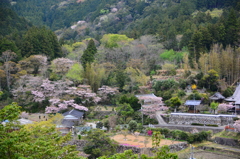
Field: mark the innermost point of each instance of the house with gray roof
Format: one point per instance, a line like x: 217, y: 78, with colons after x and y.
x: 71, y: 119
x: 235, y: 99
x: 192, y: 105
x: 74, y: 113
x: 217, y: 97
x: 74, y: 116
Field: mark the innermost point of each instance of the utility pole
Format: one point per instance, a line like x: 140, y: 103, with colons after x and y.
x: 191, y: 153
x: 142, y: 115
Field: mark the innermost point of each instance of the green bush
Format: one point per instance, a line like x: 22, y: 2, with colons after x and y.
x: 99, y: 125
x: 132, y: 126
x: 213, y: 125
x: 235, y: 118
x: 197, y: 124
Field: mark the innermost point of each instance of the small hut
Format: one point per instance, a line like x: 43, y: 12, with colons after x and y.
x: 192, y: 104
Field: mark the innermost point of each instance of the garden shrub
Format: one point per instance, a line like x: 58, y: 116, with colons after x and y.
x: 184, y: 136
x: 165, y: 132
x: 197, y: 124
x: 191, y: 138
x: 132, y: 126
x: 212, y: 125
x: 99, y: 125
x: 235, y: 118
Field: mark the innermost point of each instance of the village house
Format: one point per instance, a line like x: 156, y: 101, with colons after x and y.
x: 235, y: 99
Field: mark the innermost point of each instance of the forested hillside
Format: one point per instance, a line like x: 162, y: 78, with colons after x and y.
x: 10, y: 22
x: 128, y: 44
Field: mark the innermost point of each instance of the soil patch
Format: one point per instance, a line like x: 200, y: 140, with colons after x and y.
x: 131, y: 140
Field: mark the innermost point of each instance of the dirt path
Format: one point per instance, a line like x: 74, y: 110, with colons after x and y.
x: 139, y: 141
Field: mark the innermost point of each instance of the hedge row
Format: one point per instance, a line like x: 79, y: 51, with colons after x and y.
x: 182, y: 135
x: 213, y: 125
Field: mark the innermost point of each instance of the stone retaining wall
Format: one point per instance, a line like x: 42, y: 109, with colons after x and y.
x: 227, y: 142
x: 121, y: 148
x: 188, y: 119
x: 148, y: 151
x: 190, y: 128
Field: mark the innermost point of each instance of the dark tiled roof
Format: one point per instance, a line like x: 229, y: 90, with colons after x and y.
x: 67, y: 123
x: 75, y: 113
x: 235, y: 97
x: 217, y: 96
x: 193, y: 102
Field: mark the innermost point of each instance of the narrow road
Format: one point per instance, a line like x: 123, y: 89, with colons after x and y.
x: 160, y: 119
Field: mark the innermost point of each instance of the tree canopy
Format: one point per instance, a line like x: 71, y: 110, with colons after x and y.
x: 37, y: 140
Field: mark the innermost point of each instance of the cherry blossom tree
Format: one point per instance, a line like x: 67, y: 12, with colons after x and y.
x: 85, y: 93
x: 58, y: 105
x: 38, y: 89
x: 151, y: 105
x: 61, y: 66
x: 224, y: 107
x: 106, y: 93
x: 34, y: 64
x: 237, y: 125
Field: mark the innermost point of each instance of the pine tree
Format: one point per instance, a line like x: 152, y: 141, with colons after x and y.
x: 232, y: 28
x: 88, y: 54
x: 41, y: 41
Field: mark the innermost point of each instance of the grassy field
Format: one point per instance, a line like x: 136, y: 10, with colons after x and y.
x: 220, y: 152
x: 228, y: 134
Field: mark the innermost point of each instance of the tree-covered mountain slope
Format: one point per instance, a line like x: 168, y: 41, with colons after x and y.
x: 9, y: 21
x: 59, y: 13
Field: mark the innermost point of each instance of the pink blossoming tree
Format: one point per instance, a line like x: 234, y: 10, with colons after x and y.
x: 58, y: 105
x: 151, y: 105
x: 237, y: 125
x: 106, y: 92
x: 224, y: 107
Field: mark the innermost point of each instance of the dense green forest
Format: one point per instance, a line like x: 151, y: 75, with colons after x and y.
x: 121, y: 43
x: 56, y: 55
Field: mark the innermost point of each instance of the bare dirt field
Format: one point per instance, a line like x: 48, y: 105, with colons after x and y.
x: 131, y: 140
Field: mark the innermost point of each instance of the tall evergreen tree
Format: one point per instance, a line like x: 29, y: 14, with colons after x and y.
x: 88, y: 54
x: 232, y: 28
x: 41, y: 41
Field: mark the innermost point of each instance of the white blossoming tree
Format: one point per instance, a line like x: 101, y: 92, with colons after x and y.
x: 237, y: 125
x: 58, y: 105
x: 152, y: 105
x: 224, y: 107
